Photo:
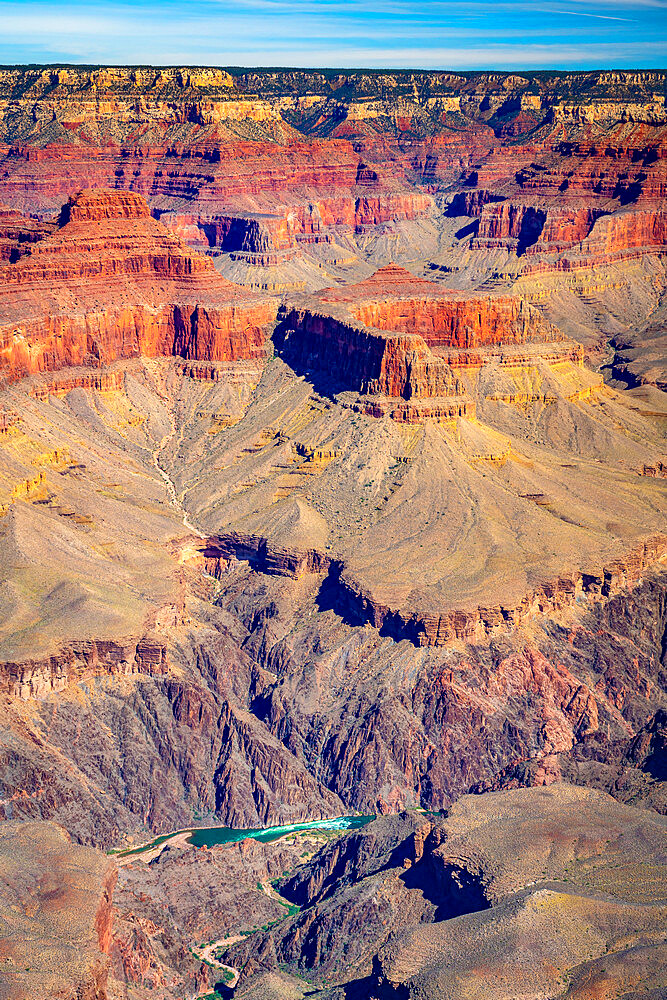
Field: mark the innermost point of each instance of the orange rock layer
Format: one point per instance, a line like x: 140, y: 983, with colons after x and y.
x: 113, y: 283
x: 459, y: 321
x: 189, y: 331
x: 266, y: 235
x: 402, y: 337
x: 590, y: 233
x: 38, y: 678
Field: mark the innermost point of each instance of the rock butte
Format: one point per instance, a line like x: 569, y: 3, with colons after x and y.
x: 110, y: 282
x: 395, y: 336
x: 273, y: 164
x: 332, y: 479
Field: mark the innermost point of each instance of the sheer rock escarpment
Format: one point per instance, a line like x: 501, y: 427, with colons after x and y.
x: 412, y: 547
x: 36, y: 679
x: 111, y: 283
x: 402, y: 338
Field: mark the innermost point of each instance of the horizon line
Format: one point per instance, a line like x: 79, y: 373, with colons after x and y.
x: 231, y: 67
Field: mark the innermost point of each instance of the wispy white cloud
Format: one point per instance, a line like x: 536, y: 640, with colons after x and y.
x: 583, y: 13
x: 430, y: 33
x: 46, y: 24
x: 43, y: 28
x: 624, y: 4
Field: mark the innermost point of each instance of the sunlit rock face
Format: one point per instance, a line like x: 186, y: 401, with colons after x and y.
x: 109, y: 283
x: 332, y: 480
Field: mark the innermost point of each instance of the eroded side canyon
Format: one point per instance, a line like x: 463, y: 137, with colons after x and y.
x: 332, y: 479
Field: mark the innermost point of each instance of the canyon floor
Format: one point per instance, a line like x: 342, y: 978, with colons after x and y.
x: 332, y: 481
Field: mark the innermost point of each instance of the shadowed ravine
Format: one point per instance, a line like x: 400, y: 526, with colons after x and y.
x: 332, y: 484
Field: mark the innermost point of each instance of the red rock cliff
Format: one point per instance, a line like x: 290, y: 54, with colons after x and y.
x: 384, y: 336
x: 366, y: 361
x: 112, y: 283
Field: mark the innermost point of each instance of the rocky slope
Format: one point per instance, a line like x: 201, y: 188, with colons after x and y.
x: 554, y: 891
x: 166, y: 912
x: 633, y: 770
x: 263, y: 704
x: 55, y: 914
x: 336, y: 535
x: 532, y: 892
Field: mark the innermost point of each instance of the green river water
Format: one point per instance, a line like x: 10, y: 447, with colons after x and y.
x: 209, y: 836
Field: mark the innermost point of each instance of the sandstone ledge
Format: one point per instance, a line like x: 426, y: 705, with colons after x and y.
x: 340, y: 592
x: 77, y: 661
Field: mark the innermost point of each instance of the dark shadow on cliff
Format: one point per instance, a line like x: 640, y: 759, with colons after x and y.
x: 358, y: 989
x: 334, y: 355
x: 355, y: 609
x: 323, y: 382
x: 470, y: 230
x: 333, y: 597
x: 656, y: 765
x: 532, y: 225
x: 453, y: 890
x: 222, y: 990
x: 628, y: 191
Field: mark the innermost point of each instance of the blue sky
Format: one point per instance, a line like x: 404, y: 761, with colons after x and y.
x: 433, y: 34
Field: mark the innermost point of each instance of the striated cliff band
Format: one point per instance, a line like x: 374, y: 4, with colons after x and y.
x: 332, y: 482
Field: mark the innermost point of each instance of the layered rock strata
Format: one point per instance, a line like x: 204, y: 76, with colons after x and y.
x: 265, y: 164
x: 395, y: 336
x: 358, y: 605
x: 270, y: 237
x: 112, y: 283
x: 17, y: 232
x: 78, y: 662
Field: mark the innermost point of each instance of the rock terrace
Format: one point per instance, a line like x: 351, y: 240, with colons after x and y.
x: 332, y: 480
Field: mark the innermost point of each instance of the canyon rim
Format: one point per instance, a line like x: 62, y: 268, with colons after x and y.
x: 332, y: 509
